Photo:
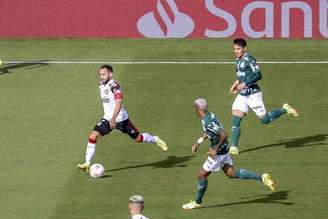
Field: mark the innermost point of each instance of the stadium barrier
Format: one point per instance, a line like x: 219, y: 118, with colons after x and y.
x: 164, y: 18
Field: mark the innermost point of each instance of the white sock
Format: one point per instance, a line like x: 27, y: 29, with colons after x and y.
x: 91, y: 149
x: 148, y: 138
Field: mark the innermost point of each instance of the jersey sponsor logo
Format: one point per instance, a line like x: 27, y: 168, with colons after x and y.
x: 247, y: 90
x: 165, y: 22
x: 105, y: 100
x: 241, y: 73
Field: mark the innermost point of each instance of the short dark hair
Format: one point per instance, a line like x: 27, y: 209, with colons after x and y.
x: 240, y: 42
x: 108, y: 67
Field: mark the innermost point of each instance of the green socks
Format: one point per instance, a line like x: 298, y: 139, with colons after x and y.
x: 245, y: 174
x: 269, y: 117
x: 201, y: 189
x: 241, y: 174
x: 235, y: 131
x: 272, y: 115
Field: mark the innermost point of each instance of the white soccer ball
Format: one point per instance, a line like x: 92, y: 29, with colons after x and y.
x: 97, y: 170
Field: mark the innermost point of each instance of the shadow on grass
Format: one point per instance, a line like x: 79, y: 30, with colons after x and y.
x: 105, y: 176
x: 313, y: 140
x: 169, y: 162
x: 5, y: 69
x: 273, y: 198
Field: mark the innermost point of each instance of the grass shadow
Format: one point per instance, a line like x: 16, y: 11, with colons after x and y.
x: 312, y: 140
x: 6, y: 69
x: 272, y: 198
x: 169, y: 162
x: 105, y: 176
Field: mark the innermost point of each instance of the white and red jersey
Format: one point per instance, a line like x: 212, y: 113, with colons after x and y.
x: 110, y: 92
x: 139, y: 216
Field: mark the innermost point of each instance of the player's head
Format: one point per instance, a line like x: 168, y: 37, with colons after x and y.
x: 136, y: 204
x: 239, y: 47
x: 200, y: 106
x: 105, y: 73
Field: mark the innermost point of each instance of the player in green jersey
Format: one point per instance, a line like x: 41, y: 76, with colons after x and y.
x: 249, y: 94
x: 218, y: 156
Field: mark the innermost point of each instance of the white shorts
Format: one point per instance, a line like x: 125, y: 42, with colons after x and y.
x: 220, y: 161
x: 253, y: 101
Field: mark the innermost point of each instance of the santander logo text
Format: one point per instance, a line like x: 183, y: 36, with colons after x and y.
x: 221, y: 19
x: 178, y: 25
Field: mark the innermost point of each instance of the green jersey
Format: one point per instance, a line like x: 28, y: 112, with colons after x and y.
x: 248, y: 72
x: 212, y: 127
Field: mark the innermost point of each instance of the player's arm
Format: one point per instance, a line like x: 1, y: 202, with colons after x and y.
x: 257, y: 75
x: 222, y: 139
x: 118, y: 106
x: 234, y: 87
x: 200, y: 140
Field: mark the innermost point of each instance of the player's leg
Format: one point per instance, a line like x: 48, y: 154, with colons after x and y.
x: 202, y: 176
x: 240, y: 173
x: 101, y: 129
x: 237, y: 116
x: 91, y: 146
x: 239, y: 110
x: 257, y: 105
x: 276, y: 113
x: 202, y: 185
x: 127, y: 127
x: 90, y: 150
x: 226, y: 164
x: 265, y: 178
x: 210, y: 165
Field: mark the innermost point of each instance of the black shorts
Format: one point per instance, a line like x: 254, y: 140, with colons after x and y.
x: 125, y: 126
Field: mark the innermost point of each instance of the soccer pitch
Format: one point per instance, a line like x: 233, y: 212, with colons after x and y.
x: 48, y: 110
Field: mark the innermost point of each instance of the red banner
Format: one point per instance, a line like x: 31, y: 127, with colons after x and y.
x: 164, y: 18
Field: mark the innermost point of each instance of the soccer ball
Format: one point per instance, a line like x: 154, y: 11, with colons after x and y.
x: 97, y: 170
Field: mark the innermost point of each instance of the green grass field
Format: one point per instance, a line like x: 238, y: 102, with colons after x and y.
x: 48, y: 110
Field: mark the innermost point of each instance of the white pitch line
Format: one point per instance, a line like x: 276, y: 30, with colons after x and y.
x: 159, y: 62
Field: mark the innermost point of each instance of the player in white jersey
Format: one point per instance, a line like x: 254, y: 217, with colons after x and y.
x: 136, y: 207
x: 115, y: 117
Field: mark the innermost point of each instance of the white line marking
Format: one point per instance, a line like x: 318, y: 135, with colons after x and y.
x: 158, y: 62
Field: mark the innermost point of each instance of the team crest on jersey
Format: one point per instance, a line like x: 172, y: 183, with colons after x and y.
x: 106, y: 91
